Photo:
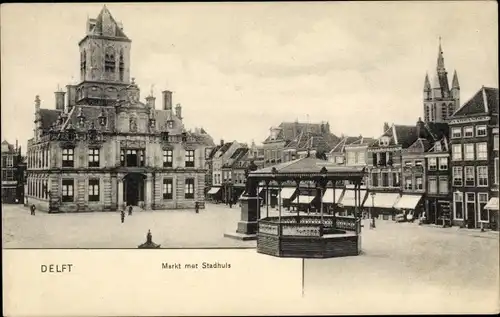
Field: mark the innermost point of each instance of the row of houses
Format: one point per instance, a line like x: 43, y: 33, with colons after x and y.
x: 447, y: 170
x: 445, y: 165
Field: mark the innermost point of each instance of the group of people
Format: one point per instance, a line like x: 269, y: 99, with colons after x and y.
x: 130, y: 209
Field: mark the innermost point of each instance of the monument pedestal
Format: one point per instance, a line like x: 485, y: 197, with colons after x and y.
x: 248, y: 225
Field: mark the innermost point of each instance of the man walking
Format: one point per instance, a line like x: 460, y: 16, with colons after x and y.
x: 196, y: 207
x: 33, y: 209
x: 130, y: 210
x: 123, y: 215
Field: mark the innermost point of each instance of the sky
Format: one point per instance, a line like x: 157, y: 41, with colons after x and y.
x: 240, y: 68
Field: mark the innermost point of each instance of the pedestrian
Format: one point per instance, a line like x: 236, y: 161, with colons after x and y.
x: 123, y: 216
x: 230, y: 203
x: 196, y: 207
x: 33, y: 209
x: 130, y: 210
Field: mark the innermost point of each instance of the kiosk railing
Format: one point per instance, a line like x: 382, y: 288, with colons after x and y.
x: 307, y: 226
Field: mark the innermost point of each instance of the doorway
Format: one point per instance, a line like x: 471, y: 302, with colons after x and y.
x: 133, y: 188
x: 471, y: 210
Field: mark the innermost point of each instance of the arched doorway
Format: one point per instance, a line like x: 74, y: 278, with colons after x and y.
x: 133, y: 188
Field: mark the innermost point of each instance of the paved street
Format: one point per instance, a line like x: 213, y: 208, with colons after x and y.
x: 410, y: 268
x: 170, y: 228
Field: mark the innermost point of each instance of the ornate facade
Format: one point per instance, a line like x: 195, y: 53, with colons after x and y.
x: 103, y: 148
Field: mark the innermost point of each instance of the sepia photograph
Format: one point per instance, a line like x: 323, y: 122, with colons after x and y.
x: 361, y: 138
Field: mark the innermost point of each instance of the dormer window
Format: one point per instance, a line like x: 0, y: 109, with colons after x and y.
x: 384, y: 141
x: 170, y: 124
x: 437, y: 147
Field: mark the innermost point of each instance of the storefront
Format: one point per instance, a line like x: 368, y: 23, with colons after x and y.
x: 331, y: 197
x: 382, y: 204
x: 287, y: 196
x: 303, y: 203
x: 492, y: 208
x: 410, y: 206
x: 348, y: 201
x: 214, y: 194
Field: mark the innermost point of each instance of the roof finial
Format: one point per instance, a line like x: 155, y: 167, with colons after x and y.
x: 152, y: 88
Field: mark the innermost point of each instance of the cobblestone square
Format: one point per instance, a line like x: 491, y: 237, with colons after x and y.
x: 170, y: 228
x: 407, y: 268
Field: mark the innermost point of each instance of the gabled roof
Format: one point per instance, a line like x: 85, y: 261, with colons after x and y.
x: 91, y: 114
x: 10, y: 147
x: 419, y: 146
x: 404, y: 135
x: 290, y: 131
x: 213, y: 151
x: 223, y: 149
x: 48, y: 117
x: 309, y: 165
x: 239, y: 153
x: 485, y: 101
x: 342, y: 143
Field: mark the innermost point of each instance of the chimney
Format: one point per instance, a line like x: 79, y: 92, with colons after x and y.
x: 178, y: 111
x: 221, y: 142
x: 59, y: 94
x: 167, y: 100
x: 386, y: 126
x: 150, y: 101
x: 71, y: 96
x: 421, y: 129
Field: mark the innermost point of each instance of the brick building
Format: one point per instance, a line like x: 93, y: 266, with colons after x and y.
x: 104, y: 148
x: 385, y: 168
x: 12, y: 172
x: 220, y: 175
x: 425, y: 172
x: 473, y: 154
x: 293, y: 140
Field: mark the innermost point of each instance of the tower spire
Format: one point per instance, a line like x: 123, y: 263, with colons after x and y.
x: 427, y: 84
x: 440, y: 59
x: 455, y: 83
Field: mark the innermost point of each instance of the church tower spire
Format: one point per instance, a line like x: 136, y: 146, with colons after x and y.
x: 440, y: 101
x: 440, y: 59
x: 455, y: 83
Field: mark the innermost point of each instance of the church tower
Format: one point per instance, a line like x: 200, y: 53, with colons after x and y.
x: 440, y: 102
x: 104, y: 61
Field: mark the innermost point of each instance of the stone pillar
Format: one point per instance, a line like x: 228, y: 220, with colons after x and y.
x: 120, y: 192
x: 147, y: 197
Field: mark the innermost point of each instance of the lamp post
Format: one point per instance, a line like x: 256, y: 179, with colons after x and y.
x: 372, y: 225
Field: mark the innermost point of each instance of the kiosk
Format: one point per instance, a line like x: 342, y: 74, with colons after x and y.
x: 302, y: 235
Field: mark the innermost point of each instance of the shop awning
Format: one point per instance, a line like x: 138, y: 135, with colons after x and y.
x: 303, y: 199
x: 287, y: 192
x: 407, y: 201
x: 328, y: 196
x: 349, y: 198
x: 492, y: 204
x: 382, y: 200
x: 213, y: 190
